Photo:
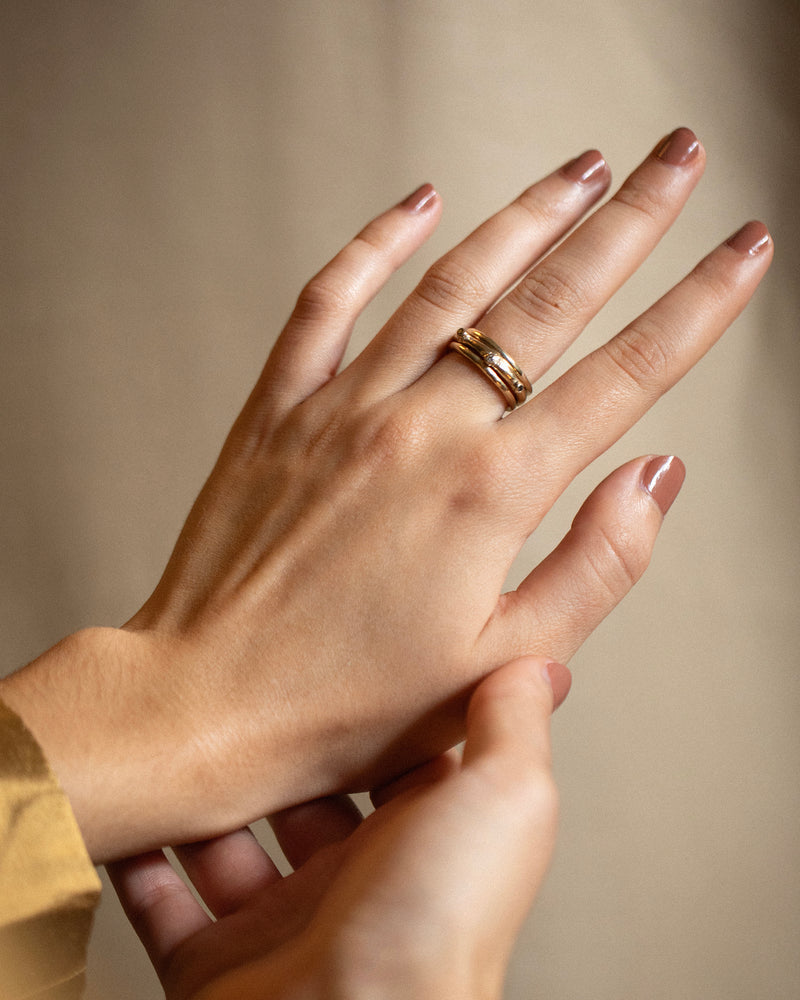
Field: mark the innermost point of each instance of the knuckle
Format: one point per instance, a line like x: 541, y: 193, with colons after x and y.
x: 543, y: 213
x: 324, y: 298
x: 533, y: 795
x: 639, y: 353
x: 370, y: 242
x: 451, y: 285
x: 547, y: 296
x: 642, y: 202
x: 541, y: 797
x: 360, y: 971
x: 716, y: 283
x: 618, y: 561
x: 153, y: 895
x: 397, y: 440
x: 483, y: 478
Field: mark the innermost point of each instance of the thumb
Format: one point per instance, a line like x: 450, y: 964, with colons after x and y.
x: 507, y: 753
x: 508, y: 721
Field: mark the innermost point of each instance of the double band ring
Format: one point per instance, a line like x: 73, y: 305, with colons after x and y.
x: 504, y: 374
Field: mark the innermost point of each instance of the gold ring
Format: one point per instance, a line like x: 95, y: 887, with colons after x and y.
x: 504, y: 374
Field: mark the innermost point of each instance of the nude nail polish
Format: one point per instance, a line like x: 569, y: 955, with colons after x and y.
x: 750, y: 240
x: 419, y: 200
x: 678, y: 148
x: 588, y: 168
x: 662, y: 478
x: 559, y: 678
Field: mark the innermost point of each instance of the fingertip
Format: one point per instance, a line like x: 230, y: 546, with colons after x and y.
x: 662, y: 478
x: 421, y: 200
x: 534, y: 677
x: 509, y: 710
x: 751, y: 240
x: 590, y: 169
x: 680, y: 148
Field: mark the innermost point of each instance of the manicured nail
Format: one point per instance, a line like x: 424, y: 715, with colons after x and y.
x: 419, y: 200
x: 750, y: 240
x: 678, y: 148
x: 588, y: 168
x: 663, y: 478
x: 560, y: 680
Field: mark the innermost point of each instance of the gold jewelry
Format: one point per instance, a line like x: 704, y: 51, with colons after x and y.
x: 504, y: 374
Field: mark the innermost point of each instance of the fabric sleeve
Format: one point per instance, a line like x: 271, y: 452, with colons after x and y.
x: 48, y: 886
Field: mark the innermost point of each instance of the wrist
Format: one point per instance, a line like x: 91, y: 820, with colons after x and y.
x: 92, y: 705
x: 149, y: 742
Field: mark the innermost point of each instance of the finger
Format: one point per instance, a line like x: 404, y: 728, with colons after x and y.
x: 592, y: 405
x: 227, y: 871
x: 462, y: 285
x: 605, y: 552
x: 431, y: 773
x: 158, y: 903
x: 303, y: 830
x: 508, y: 755
x: 550, y: 307
x: 508, y: 726
x: 309, y: 351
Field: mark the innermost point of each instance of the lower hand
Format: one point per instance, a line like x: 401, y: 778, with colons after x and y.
x: 423, y: 899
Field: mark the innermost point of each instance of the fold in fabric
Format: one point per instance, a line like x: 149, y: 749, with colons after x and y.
x: 48, y: 886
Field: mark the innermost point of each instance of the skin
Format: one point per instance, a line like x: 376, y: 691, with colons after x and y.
x: 424, y: 898
x: 337, y: 590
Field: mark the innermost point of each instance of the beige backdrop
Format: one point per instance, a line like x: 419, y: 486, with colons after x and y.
x: 172, y: 173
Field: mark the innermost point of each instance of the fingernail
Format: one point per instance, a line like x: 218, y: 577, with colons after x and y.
x: 663, y: 478
x: 750, y: 240
x: 560, y: 680
x: 678, y: 148
x: 589, y: 167
x: 419, y: 200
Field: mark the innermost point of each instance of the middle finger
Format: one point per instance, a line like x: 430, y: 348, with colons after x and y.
x: 303, y: 830
x: 463, y: 284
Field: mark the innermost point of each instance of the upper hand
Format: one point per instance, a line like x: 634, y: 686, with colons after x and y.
x: 338, y: 587
x: 423, y: 899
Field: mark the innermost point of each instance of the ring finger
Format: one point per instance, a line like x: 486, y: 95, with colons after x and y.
x: 549, y: 308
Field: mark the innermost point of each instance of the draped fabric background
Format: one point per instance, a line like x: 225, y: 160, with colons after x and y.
x: 172, y: 172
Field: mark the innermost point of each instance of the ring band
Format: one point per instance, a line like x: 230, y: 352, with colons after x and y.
x: 504, y: 374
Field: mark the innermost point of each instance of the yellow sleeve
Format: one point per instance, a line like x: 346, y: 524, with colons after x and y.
x: 48, y: 886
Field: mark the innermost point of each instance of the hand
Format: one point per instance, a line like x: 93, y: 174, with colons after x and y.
x: 337, y: 589
x: 422, y: 899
